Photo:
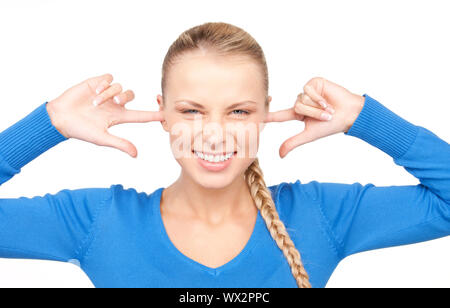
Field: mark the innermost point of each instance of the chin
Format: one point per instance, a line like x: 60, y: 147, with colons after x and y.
x: 213, y: 182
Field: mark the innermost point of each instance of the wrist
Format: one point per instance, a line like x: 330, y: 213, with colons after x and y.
x: 55, y: 118
x: 384, y: 129
x: 356, y: 106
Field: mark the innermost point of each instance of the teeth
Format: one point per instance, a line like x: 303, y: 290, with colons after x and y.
x: 213, y: 158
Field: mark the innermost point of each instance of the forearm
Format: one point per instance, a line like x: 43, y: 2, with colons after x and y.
x: 419, y: 151
x: 25, y: 140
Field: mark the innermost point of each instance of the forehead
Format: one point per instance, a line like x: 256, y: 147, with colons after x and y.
x: 201, y: 76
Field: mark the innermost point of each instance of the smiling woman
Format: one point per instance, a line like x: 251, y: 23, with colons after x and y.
x: 218, y: 224
x: 218, y: 64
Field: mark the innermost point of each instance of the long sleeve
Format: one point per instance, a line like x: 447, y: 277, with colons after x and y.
x: 54, y: 226
x: 366, y: 217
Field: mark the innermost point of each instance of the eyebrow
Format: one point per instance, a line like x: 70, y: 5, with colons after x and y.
x: 197, y: 105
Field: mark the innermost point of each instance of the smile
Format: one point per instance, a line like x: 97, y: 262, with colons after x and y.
x: 214, y: 158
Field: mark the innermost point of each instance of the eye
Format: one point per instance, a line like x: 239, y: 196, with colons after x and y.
x: 189, y: 111
x: 241, y: 112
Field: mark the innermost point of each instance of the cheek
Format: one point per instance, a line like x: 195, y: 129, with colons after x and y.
x: 177, y: 125
x: 181, y: 136
x: 246, y: 136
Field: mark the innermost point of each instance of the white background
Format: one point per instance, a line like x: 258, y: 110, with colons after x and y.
x: 395, y: 51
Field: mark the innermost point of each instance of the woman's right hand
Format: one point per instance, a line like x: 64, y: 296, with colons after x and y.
x: 87, y: 110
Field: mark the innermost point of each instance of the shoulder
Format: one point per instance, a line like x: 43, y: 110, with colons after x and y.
x: 295, y: 197
x: 90, y: 197
x: 292, y: 197
x: 286, y: 192
x: 295, y: 190
x: 315, y: 190
x: 130, y: 198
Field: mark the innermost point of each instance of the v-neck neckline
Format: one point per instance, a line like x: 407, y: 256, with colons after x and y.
x: 252, y: 241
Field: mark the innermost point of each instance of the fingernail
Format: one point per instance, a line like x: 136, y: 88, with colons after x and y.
x: 326, y: 116
x: 96, y: 102
x: 330, y: 109
x: 99, y: 89
x: 323, y: 104
x: 116, y: 100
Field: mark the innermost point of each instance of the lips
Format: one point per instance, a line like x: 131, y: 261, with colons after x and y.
x: 213, y: 157
x: 214, y: 162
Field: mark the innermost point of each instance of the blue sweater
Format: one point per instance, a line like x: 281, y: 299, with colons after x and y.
x: 117, y: 237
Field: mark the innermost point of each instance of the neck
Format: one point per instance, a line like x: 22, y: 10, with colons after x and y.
x: 212, y: 205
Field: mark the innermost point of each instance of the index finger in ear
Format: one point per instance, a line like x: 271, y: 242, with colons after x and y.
x: 137, y: 116
x: 281, y: 116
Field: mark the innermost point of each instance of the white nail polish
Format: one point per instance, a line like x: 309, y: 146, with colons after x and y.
x: 325, y: 116
x: 116, y: 100
x: 95, y: 102
x: 330, y: 110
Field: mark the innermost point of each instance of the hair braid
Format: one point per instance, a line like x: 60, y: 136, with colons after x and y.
x: 264, y: 202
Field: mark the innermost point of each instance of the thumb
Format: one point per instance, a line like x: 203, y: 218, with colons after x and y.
x: 119, y: 143
x: 295, y: 141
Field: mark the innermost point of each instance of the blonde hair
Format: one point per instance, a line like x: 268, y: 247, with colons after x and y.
x: 225, y: 39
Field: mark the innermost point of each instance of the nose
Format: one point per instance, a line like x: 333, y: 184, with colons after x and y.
x: 214, y: 135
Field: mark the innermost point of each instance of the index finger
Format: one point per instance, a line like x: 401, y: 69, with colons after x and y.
x: 281, y: 116
x: 138, y: 116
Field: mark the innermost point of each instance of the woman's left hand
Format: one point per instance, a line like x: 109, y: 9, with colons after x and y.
x: 321, y: 99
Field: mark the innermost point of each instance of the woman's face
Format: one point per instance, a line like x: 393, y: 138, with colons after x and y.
x: 214, y: 108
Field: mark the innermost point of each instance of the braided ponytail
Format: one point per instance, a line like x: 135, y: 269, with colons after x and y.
x: 265, y: 204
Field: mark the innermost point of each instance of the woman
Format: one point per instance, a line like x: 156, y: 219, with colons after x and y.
x: 207, y: 228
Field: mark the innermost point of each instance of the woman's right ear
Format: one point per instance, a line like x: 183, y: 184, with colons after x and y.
x: 160, y: 101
